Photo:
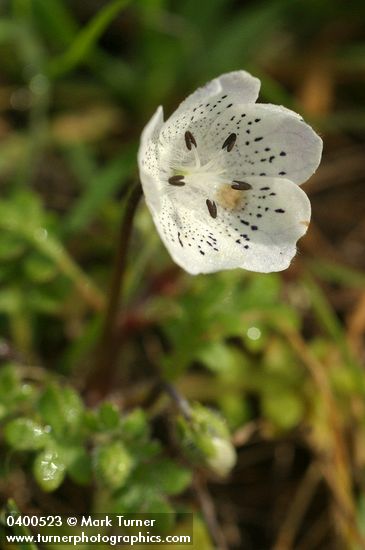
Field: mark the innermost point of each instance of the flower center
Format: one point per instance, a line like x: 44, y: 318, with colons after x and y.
x: 210, y: 179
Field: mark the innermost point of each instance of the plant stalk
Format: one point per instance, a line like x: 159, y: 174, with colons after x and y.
x: 101, y: 377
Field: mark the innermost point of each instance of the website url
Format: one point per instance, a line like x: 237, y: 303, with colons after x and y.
x: 112, y: 540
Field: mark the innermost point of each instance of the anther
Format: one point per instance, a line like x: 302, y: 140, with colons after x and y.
x: 241, y: 185
x: 212, y: 207
x: 229, y: 142
x: 177, y: 180
x: 189, y: 140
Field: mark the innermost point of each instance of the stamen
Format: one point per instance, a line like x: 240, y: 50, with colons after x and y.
x: 177, y: 180
x: 212, y: 207
x: 189, y: 140
x: 241, y: 185
x: 229, y: 142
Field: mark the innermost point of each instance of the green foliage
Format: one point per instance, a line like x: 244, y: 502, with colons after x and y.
x: 265, y: 353
x: 113, y: 464
x: 25, y: 434
x: 84, y: 41
x: 67, y: 439
x: 49, y: 469
x: 62, y: 410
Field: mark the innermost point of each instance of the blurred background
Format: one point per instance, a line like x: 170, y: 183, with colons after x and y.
x: 92, y: 384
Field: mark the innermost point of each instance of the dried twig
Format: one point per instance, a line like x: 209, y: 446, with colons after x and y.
x: 298, y: 508
x: 335, y: 465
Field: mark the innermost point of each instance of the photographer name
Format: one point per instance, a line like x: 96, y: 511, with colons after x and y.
x: 120, y: 521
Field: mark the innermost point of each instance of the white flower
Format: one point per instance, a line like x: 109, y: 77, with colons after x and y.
x: 221, y: 178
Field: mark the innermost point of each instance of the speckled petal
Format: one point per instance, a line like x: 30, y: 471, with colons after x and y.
x: 270, y: 141
x: 239, y: 86
x: 258, y: 234
x: 199, y: 111
x: 149, y: 170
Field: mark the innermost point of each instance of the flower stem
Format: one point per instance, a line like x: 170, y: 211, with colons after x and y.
x: 209, y: 512
x: 180, y: 401
x: 101, y: 377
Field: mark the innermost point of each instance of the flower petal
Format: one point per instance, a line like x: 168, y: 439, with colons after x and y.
x: 270, y: 141
x: 148, y: 159
x: 153, y: 127
x: 240, y: 86
x: 202, y: 108
x: 260, y: 234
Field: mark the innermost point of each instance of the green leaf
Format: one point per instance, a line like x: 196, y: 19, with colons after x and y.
x: 11, y: 247
x: 44, y: 300
x: 55, y: 20
x: 13, y: 391
x: 155, y: 501
x: 165, y: 475
x: 39, y: 269
x: 235, y: 42
x: 23, y: 434
x: 284, y: 409
x: 101, y: 188
x: 113, y: 464
x: 135, y: 425
x: 11, y: 300
x: 62, y: 409
x: 235, y: 408
x: 86, y: 39
x: 109, y: 416
x: 139, y: 498
x: 79, y: 465
x: 49, y: 469
x: 222, y: 359
x: 9, y: 382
